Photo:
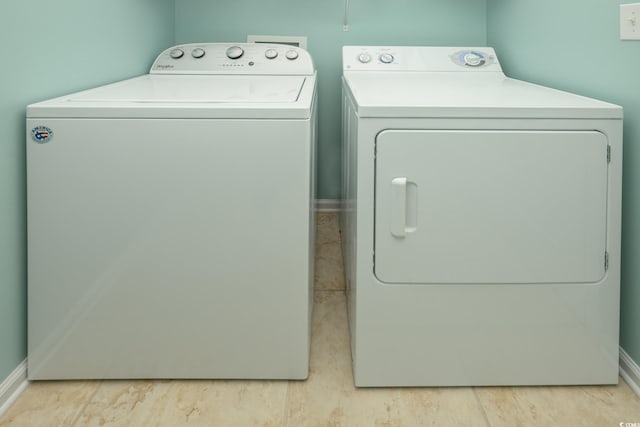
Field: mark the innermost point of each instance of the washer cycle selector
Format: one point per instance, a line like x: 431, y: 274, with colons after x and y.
x: 386, y: 58
x: 197, y: 53
x: 291, y: 54
x: 270, y: 53
x: 235, y: 52
x: 176, y: 53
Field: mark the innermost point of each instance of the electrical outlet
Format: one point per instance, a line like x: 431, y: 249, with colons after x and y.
x: 630, y: 21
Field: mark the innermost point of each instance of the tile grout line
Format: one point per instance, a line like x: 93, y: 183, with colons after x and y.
x: 479, y: 402
x: 285, y: 413
x: 81, y: 411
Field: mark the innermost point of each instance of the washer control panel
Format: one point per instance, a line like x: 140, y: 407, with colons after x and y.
x: 237, y: 58
x: 419, y: 58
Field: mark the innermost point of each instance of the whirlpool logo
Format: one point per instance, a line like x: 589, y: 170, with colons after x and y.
x: 41, y: 134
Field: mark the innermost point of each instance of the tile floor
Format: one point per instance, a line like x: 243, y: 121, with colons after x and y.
x: 327, y: 398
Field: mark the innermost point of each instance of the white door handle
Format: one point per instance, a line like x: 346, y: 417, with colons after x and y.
x: 398, y: 206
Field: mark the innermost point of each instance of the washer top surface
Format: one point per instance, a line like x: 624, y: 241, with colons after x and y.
x: 264, y: 81
x: 453, y: 82
x: 168, y: 89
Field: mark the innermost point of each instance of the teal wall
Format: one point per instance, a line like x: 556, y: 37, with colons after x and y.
x: 574, y: 45
x: 375, y: 22
x: 51, y: 48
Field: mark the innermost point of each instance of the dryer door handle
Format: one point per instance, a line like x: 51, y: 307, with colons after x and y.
x: 403, y: 207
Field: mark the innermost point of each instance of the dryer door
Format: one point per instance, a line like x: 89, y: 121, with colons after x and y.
x: 490, y: 206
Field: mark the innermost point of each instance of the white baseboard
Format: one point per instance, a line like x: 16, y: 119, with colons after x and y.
x: 13, y: 386
x: 630, y: 371
x: 328, y: 205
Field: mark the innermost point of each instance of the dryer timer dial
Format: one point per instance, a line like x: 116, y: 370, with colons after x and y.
x: 472, y: 58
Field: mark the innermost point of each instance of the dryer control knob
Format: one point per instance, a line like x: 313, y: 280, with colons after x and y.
x: 270, y: 53
x: 291, y: 54
x: 197, y: 53
x: 364, y: 58
x: 473, y: 59
x: 386, y: 58
x: 176, y: 53
x: 235, y: 52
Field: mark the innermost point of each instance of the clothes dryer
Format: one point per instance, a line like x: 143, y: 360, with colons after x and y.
x: 171, y: 220
x: 481, y: 226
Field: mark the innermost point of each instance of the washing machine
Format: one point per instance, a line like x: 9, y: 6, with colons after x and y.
x: 481, y: 227
x: 171, y: 221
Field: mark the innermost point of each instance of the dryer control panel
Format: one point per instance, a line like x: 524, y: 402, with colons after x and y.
x: 419, y: 58
x: 234, y: 58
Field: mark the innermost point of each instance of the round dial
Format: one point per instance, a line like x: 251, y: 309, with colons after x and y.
x: 386, y: 58
x: 270, y: 53
x: 235, y: 52
x: 473, y: 59
x: 291, y: 54
x: 364, y: 58
x: 197, y: 52
x: 176, y: 53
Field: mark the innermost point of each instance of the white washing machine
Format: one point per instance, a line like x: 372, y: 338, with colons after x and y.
x: 482, y: 223
x: 171, y: 221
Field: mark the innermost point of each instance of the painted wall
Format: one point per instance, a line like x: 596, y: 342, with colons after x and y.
x: 574, y: 45
x: 52, y: 48
x: 62, y: 46
x: 373, y: 22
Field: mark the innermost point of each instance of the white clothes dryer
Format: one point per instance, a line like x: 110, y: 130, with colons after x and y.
x: 481, y: 226
x: 171, y: 220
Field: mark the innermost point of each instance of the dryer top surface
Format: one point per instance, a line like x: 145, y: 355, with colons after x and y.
x: 477, y: 95
x: 432, y: 81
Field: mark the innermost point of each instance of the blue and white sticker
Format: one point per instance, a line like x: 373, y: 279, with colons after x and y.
x: 41, y: 134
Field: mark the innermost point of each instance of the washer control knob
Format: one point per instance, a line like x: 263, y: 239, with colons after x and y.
x: 364, y: 58
x: 176, y: 53
x: 197, y: 53
x: 473, y: 59
x: 270, y: 53
x: 235, y: 52
x: 291, y: 54
x: 386, y: 58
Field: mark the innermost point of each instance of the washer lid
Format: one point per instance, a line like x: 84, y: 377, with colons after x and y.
x: 189, y: 96
x: 197, y: 88
x: 465, y: 95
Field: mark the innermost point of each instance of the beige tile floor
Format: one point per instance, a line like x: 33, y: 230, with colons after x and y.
x: 327, y: 398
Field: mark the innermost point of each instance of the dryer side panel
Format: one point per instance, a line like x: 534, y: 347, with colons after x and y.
x: 490, y: 206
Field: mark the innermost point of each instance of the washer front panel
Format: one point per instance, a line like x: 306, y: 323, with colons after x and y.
x: 151, y: 249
